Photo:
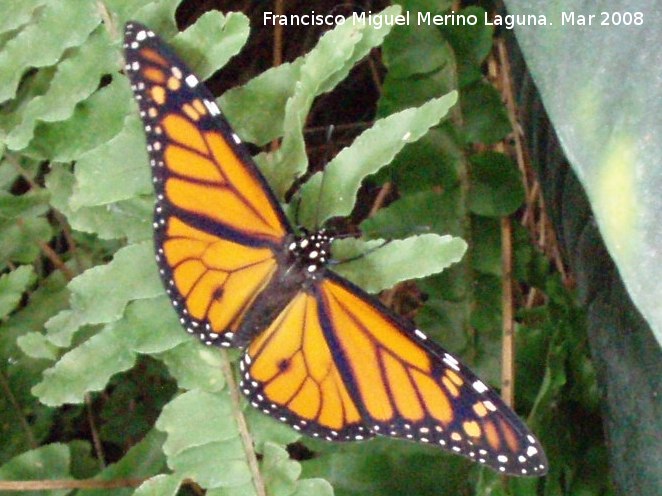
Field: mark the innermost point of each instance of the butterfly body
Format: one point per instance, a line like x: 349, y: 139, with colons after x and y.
x: 319, y: 353
x: 301, y: 262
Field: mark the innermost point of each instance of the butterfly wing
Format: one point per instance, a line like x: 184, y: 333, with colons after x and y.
x: 290, y: 372
x: 340, y: 364
x: 217, y: 225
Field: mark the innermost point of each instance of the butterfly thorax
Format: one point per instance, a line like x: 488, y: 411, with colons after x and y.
x: 309, y: 254
x: 302, y: 262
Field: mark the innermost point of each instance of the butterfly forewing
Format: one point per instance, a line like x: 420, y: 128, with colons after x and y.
x: 217, y: 224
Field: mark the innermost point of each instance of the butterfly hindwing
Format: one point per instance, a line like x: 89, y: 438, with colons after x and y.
x: 409, y: 387
x: 335, y: 342
x: 217, y: 224
x: 290, y: 372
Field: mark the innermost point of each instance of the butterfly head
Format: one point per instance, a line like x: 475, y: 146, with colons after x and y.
x: 311, y: 251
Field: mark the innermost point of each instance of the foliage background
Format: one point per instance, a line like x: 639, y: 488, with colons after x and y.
x: 98, y: 380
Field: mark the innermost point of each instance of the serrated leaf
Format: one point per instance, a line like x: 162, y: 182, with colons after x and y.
x: 15, y: 14
x: 35, y: 345
x: 196, y: 418
x: 114, y: 171
x: 485, y: 118
x: 30, y: 204
x: 216, y: 464
x: 372, y: 35
x: 50, y: 462
x: 427, y: 211
x: 327, y: 58
x: 12, y: 287
x: 59, y: 25
x: 101, y: 293
x: 150, y: 326
x: 86, y: 368
x: 496, y: 185
x: 159, y: 485
x: 214, y: 39
x: 267, y: 94
x: 21, y: 238
x: 75, y: 79
x: 392, y: 263
x: 373, y: 149
x: 130, y: 219
x: 158, y: 15
x: 318, y: 487
x: 264, y: 95
x: 195, y: 366
x: 144, y: 459
x: 94, y: 121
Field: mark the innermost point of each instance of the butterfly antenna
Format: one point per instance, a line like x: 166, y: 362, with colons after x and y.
x: 360, y: 255
x: 297, y: 209
x: 329, y: 133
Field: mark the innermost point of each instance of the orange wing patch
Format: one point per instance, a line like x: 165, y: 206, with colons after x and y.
x: 390, y: 370
x: 203, y: 165
x: 408, y: 387
x: 214, y: 279
x: 290, y: 373
x: 200, y: 162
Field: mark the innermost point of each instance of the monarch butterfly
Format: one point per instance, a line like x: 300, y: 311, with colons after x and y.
x: 320, y: 354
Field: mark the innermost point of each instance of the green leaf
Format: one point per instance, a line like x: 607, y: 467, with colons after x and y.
x: 207, y: 45
x: 215, y: 464
x: 392, y: 263
x: 496, y: 187
x: 486, y: 245
x: 432, y: 162
x: 264, y: 95
x: 50, y: 462
x: 387, y: 467
x: 150, y: 326
x: 195, y: 366
x: 485, y: 117
x: 129, y: 219
x: 116, y: 170
x: 196, y: 418
x: 101, y: 293
x: 76, y: 77
x: 30, y: 204
x: 279, y: 472
x: 35, y: 345
x: 20, y: 239
x: 159, y: 485
x: 322, y: 69
x: 471, y: 44
x: 403, y: 48
x: 16, y: 14
x: 59, y: 25
x: 144, y: 459
x: 12, y: 287
x: 203, y: 441
x: 427, y: 211
x: 86, y: 368
x: 374, y: 148
x: 94, y: 121
x: 158, y: 15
